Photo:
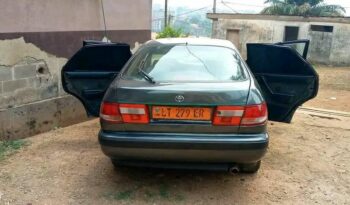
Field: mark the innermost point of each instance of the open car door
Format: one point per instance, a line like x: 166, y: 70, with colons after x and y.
x: 285, y: 77
x: 88, y: 74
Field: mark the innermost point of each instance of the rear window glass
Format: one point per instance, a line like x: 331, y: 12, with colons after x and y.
x: 183, y: 62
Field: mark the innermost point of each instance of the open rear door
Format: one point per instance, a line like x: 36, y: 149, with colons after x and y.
x: 285, y: 77
x: 88, y: 74
x: 300, y: 46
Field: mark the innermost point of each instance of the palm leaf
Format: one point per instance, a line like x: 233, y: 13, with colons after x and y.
x: 302, y: 8
x: 327, y: 10
x: 280, y: 9
x: 302, y: 2
x: 315, y: 2
x: 274, y: 1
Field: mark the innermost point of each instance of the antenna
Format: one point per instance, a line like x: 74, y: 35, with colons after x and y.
x: 104, y: 18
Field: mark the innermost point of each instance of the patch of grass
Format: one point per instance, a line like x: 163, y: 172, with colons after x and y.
x: 179, y: 197
x: 10, y: 146
x: 164, y: 191
x: 315, y: 65
x: 150, y: 195
x: 121, y: 195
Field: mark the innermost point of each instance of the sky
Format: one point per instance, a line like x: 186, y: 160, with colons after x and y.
x: 251, y: 5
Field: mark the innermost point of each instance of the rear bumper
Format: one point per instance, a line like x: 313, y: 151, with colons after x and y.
x: 178, y: 147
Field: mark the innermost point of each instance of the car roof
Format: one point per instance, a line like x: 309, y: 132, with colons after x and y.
x: 196, y: 41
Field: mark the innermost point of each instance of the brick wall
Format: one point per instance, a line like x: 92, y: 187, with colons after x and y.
x: 31, y: 96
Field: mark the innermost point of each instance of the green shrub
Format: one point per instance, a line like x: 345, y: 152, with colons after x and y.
x: 8, y: 147
x: 170, y: 32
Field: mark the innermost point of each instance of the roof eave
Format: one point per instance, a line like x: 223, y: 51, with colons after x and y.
x: 216, y: 16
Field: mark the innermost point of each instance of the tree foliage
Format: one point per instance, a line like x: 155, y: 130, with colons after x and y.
x: 194, y: 24
x: 303, y: 8
x: 170, y: 32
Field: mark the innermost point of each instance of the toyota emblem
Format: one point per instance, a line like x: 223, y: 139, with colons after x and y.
x: 179, y: 98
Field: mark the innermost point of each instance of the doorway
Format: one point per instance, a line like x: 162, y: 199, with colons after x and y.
x: 233, y: 36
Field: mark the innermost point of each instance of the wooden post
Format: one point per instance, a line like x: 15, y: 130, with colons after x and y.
x: 166, y: 14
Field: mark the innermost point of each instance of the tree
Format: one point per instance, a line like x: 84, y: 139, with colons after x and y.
x: 302, y: 8
x: 170, y: 32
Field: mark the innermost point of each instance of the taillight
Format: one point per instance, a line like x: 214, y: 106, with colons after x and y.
x: 110, y: 112
x: 228, y: 115
x: 134, y: 113
x: 254, y: 115
x: 250, y: 115
x: 124, y: 113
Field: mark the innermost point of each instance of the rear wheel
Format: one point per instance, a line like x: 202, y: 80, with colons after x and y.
x: 249, y: 167
x: 115, y: 163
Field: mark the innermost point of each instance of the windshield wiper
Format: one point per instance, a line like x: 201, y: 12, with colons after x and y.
x: 144, y: 74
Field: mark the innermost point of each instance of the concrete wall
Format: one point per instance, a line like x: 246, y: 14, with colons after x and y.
x: 40, y: 116
x: 325, y: 48
x: 31, y: 96
x: 60, y: 26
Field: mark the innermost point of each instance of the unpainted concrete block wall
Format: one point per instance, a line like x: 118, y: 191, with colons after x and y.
x: 325, y: 48
x: 27, y: 81
x: 31, y: 96
x: 40, y: 116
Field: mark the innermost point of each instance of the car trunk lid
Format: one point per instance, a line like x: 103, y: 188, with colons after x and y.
x: 195, y: 95
x: 182, y: 94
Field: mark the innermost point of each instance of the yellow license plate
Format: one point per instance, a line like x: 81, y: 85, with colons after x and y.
x: 181, y: 113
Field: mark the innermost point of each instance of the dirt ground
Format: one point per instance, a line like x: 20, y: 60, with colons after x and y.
x: 307, y: 163
x: 334, y: 91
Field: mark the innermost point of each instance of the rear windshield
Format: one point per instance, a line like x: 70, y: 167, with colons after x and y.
x: 183, y: 62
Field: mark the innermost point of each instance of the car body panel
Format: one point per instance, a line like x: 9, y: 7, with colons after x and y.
x: 198, y: 94
x: 201, y: 94
x: 180, y: 127
x: 285, y: 83
x: 186, y: 147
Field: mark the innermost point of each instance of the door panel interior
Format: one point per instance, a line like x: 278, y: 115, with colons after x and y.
x: 88, y: 74
x: 286, y: 79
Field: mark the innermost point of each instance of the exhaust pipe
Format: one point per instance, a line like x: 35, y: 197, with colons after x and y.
x: 234, y: 169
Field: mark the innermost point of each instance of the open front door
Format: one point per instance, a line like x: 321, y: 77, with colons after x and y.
x: 286, y: 79
x: 88, y: 74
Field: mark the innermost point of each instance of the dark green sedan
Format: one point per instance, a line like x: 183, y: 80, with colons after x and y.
x: 189, y: 103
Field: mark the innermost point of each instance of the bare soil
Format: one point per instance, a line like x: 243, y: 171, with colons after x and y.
x: 334, y: 91
x: 307, y: 163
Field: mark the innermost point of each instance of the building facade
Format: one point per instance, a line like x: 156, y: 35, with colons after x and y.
x: 329, y: 37
x: 59, y: 26
x: 36, y: 39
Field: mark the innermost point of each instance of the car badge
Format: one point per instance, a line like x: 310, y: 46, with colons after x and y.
x: 179, y: 98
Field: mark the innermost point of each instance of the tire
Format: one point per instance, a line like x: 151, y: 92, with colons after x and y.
x: 250, y: 168
x: 115, y: 163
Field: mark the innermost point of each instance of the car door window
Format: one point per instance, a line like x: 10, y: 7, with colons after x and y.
x: 300, y: 46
